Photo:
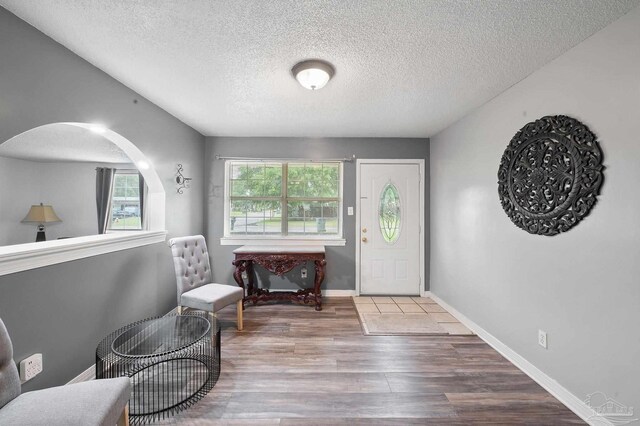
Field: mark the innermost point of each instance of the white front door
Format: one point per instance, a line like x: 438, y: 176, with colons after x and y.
x: 389, y: 234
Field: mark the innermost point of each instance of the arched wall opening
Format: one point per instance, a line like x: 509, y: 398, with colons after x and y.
x: 20, y: 257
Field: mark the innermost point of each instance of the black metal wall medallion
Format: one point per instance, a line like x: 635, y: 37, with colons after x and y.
x: 550, y: 175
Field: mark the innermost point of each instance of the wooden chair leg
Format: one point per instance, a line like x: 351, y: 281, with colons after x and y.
x: 124, y: 417
x: 239, y: 309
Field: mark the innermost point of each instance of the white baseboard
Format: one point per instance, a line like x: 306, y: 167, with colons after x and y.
x: 326, y: 293
x: 338, y: 293
x: 571, y: 401
x: 85, y: 376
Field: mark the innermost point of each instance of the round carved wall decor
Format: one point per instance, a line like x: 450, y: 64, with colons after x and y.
x: 550, y: 175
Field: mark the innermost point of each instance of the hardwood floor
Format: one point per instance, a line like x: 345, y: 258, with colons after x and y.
x: 294, y: 366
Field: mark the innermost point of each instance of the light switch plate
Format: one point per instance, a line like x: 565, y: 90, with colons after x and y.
x: 350, y: 211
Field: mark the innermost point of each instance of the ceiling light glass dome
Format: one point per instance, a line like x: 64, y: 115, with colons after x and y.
x: 313, y: 74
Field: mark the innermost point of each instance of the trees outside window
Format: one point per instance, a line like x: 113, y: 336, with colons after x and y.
x: 125, y: 214
x: 284, y: 198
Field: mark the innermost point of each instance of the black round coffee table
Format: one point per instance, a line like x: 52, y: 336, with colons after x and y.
x: 172, y: 361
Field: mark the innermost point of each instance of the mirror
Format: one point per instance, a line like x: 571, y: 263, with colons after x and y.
x: 57, y: 165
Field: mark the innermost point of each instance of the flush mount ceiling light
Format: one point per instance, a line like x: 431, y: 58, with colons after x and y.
x: 313, y: 74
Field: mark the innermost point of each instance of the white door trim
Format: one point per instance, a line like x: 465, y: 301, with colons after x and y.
x: 420, y: 163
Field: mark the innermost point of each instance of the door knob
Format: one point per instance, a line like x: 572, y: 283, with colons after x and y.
x: 364, y: 239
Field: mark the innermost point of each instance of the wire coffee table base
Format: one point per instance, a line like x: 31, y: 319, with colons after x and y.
x: 173, y: 361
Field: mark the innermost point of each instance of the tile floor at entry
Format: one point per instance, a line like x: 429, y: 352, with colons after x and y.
x: 411, y: 306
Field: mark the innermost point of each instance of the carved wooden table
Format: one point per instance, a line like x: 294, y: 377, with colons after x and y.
x: 279, y: 260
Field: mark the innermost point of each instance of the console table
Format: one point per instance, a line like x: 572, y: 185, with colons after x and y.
x: 279, y: 260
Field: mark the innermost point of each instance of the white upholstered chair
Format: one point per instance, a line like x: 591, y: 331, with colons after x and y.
x: 193, y: 278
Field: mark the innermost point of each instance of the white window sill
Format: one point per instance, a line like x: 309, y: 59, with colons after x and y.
x: 279, y: 241
x: 22, y: 257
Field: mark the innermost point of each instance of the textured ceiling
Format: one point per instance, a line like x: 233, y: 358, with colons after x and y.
x: 61, y: 142
x: 403, y: 68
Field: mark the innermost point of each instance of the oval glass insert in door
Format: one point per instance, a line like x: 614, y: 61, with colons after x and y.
x: 389, y: 213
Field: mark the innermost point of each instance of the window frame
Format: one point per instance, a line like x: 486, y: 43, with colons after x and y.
x: 280, y: 239
x: 110, y: 230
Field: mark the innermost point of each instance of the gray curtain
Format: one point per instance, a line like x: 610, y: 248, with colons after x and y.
x: 104, y: 180
x: 141, y: 192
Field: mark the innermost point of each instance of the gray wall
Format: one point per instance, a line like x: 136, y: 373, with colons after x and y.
x: 581, y: 287
x: 63, y: 310
x: 18, y: 188
x: 340, y: 260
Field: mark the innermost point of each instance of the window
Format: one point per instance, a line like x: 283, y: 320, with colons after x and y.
x: 389, y: 213
x: 283, y: 200
x: 125, y: 212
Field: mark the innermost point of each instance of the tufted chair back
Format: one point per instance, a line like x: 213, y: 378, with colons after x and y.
x: 191, y: 262
x: 9, y: 378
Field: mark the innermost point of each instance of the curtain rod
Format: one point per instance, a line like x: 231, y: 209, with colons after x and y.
x: 319, y: 160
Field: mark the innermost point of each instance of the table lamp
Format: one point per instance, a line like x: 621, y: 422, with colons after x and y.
x: 41, y: 215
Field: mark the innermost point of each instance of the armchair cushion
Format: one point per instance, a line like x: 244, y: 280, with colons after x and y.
x: 9, y: 378
x: 211, y: 297
x: 96, y: 402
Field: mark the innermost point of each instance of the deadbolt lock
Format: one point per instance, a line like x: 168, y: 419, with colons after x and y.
x: 364, y: 230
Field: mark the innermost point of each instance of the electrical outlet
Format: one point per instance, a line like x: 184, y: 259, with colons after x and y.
x: 303, y: 273
x: 30, y: 367
x: 542, y: 338
x: 350, y: 211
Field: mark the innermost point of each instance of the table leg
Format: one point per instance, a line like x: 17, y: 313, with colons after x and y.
x: 237, y: 274
x: 249, y: 269
x: 317, y: 282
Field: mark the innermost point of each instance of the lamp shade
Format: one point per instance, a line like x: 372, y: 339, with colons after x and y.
x: 41, y: 214
x: 313, y: 74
